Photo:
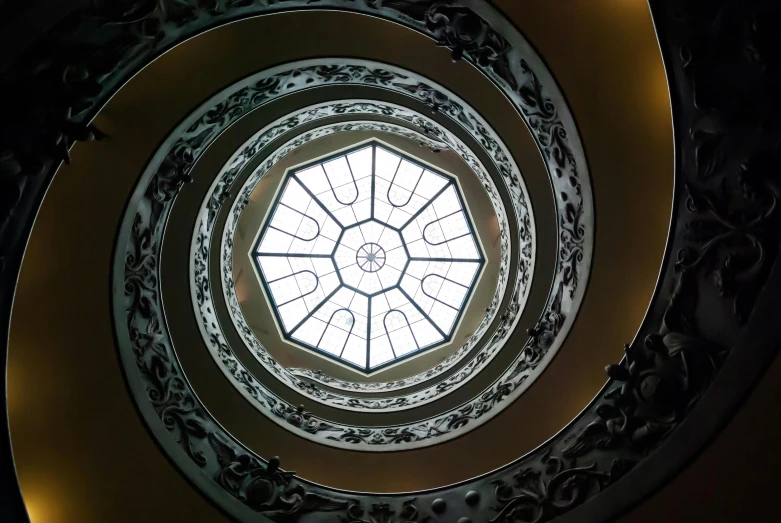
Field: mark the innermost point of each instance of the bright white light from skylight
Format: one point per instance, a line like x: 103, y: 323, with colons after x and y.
x: 368, y: 257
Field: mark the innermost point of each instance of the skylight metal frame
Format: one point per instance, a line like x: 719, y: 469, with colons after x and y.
x: 452, y: 181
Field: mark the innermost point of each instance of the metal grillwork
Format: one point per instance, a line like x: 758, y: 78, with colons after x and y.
x: 368, y: 257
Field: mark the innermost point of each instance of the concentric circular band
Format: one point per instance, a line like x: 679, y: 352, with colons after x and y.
x: 423, y: 433
x: 321, y: 111
x: 210, y: 325
x: 370, y: 257
x: 682, y: 362
x: 164, y: 189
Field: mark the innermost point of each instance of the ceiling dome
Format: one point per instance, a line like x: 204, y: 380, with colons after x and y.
x: 379, y: 254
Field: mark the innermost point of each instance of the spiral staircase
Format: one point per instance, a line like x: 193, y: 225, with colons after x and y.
x: 389, y: 261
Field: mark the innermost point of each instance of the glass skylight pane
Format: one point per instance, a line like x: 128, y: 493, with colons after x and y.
x: 443, y: 316
x: 447, y: 202
x: 398, y: 217
x: 465, y: 247
x: 342, y: 185
x: 432, y: 284
x: 417, y: 249
x: 330, y: 229
x: 430, y: 184
x: 301, y: 247
x: 407, y: 176
x: 284, y: 290
x: 410, y: 284
x: 396, y: 258
x: 370, y: 283
x: 346, y: 216
x: 295, y: 197
x: 323, y: 266
x: 372, y: 231
x: 359, y: 304
x: 402, y: 341
x: 323, y: 246
x: 388, y: 276
x: 292, y: 313
x: 275, y: 241
x: 352, y: 275
x: 274, y: 267
x: 425, y: 333
x: 434, y: 234
x: 361, y: 162
x: 355, y: 351
x: 387, y: 163
x: 368, y: 232
x: 344, y: 297
x: 353, y: 238
x: 314, y: 179
x: 362, y: 210
x: 417, y: 269
x: 345, y: 256
x: 448, y: 292
x: 329, y: 282
x: 288, y: 220
x: 398, y: 196
x: 382, y: 211
x: 334, y: 339
x: 380, y: 351
x: 341, y: 179
x: 310, y: 332
x: 463, y: 272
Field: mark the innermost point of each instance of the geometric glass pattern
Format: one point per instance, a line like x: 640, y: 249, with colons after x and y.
x: 368, y: 256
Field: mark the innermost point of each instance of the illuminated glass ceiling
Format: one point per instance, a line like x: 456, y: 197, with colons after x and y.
x: 368, y: 257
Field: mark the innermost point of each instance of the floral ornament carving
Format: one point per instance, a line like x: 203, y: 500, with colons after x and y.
x: 706, y: 42
x: 465, y: 32
x: 264, y: 487
x: 198, y: 135
x: 460, y: 29
x: 659, y: 383
x: 200, y: 252
x: 426, y: 432
x: 385, y: 513
x: 536, y: 496
x: 729, y: 243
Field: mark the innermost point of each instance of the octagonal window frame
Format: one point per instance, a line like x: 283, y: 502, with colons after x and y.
x: 366, y: 369
x: 384, y: 289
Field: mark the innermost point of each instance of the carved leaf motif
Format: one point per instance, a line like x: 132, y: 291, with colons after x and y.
x: 145, y: 30
x: 385, y: 513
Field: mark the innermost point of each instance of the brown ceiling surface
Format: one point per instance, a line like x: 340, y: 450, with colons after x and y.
x: 82, y: 452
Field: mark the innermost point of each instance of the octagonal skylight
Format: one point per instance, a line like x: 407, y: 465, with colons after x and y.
x: 368, y: 257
